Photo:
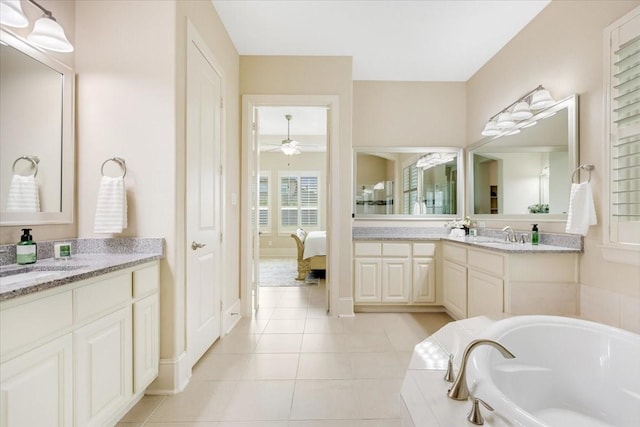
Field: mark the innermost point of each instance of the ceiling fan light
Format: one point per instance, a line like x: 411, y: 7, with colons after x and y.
x: 11, y: 14
x: 541, y: 99
x: 490, y: 129
x: 521, y: 111
x: 504, y: 121
x: 48, y: 34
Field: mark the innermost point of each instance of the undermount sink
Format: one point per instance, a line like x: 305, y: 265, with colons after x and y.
x: 27, y: 275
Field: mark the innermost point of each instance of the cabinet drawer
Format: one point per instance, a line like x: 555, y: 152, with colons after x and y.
x: 101, y: 297
x: 367, y: 249
x: 396, y: 249
x: 455, y: 253
x: 146, y: 281
x: 485, y: 261
x: 424, y: 249
x: 27, y: 323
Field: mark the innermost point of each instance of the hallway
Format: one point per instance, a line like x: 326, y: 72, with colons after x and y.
x: 291, y: 366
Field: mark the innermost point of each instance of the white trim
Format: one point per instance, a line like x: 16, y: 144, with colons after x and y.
x: 173, y: 376
x: 231, y: 317
x: 249, y: 102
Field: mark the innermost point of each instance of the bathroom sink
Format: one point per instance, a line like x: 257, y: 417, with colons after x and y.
x: 28, y: 275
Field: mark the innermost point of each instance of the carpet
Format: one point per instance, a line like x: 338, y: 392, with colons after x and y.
x: 283, y: 272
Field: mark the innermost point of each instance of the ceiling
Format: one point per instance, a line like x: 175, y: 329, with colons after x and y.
x: 428, y: 40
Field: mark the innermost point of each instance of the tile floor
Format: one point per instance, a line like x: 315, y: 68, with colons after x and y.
x: 292, y: 366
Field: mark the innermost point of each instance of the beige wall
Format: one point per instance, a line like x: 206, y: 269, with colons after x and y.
x: 289, y: 75
x: 562, y: 49
x: 131, y: 103
x: 409, y: 114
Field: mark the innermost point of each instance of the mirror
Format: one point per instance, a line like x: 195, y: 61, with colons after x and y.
x: 408, y: 183
x: 527, y: 174
x: 36, y: 136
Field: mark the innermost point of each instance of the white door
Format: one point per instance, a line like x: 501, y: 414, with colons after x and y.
x: 204, y: 232
x: 255, y: 211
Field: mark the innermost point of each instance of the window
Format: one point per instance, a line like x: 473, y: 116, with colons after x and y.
x: 409, y: 188
x: 263, y: 202
x: 622, y: 182
x: 299, y: 199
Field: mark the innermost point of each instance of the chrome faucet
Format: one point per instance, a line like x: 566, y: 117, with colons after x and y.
x: 459, y: 389
x: 509, y: 234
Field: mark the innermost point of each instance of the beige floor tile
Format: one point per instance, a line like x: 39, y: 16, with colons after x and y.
x: 379, y: 398
x: 325, y: 325
x: 236, y: 344
x: 325, y: 366
x: 317, y: 312
x: 143, y: 409
x: 259, y: 400
x: 293, y: 302
x: 261, y: 423
x: 220, y: 366
x: 279, y: 343
x: 324, y: 343
x: 249, y: 326
x: 384, y: 423
x: 190, y: 424
x: 432, y: 322
x: 123, y: 424
x: 272, y: 367
x: 289, y: 313
x: 405, y: 341
x: 285, y: 326
x: 200, y: 401
x: 368, y: 343
x: 324, y: 400
x: 377, y: 365
x: 323, y: 423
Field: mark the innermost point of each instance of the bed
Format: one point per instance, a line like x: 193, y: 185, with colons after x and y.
x: 312, y: 251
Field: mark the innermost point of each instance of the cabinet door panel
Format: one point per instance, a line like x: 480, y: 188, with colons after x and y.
x: 367, y: 280
x: 395, y: 280
x: 455, y: 289
x: 146, y: 339
x: 423, y: 286
x: 485, y: 294
x: 36, y: 387
x: 103, y: 370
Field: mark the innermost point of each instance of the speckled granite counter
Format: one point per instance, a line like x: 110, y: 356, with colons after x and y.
x: 90, y: 258
x: 490, y: 239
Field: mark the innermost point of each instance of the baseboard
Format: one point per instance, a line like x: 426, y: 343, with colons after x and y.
x: 231, y: 317
x: 344, y: 307
x: 278, y: 253
x: 399, y: 309
x: 173, y: 376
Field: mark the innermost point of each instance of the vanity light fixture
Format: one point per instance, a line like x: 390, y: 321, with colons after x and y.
x: 289, y: 146
x: 518, y: 114
x: 434, y: 159
x: 46, y: 33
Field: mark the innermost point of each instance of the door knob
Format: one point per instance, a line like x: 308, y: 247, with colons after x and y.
x: 195, y: 245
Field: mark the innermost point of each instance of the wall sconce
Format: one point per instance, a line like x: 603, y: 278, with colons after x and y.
x: 46, y: 33
x: 518, y: 115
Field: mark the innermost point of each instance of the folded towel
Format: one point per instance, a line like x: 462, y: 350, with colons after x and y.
x: 582, y: 212
x: 23, y: 194
x: 111, y: 209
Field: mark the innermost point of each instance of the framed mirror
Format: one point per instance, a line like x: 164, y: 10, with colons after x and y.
x: 36, y: 136
x: 526, y: 175
x: 408, y: 183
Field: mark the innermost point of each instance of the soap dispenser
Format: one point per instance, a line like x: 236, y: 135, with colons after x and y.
x: 26, y: 248
x: 534, y: 235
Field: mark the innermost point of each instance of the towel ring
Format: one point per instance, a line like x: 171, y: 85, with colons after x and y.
x: 588, y: 168
x: 118, y: 160
x: 34, y: 163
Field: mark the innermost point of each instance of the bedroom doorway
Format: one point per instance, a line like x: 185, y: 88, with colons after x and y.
x: 287, y: 188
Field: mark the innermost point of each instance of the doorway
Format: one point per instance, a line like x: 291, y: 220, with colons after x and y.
x: 283, y: 193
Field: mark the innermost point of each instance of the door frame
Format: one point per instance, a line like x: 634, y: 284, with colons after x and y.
x: 249, y: 102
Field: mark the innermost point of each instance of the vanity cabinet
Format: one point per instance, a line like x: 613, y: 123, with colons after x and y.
x: 480, y: 281
x: 80, y: 354
x: 399, y: 273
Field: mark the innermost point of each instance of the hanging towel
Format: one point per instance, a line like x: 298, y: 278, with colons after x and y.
x: 582, y: 212
x: 111, y: 209
x: 23, y: 194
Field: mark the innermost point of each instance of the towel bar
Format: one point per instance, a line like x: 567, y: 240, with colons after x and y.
x: 118, y: 160
x: 34, y: 161
x: 588, y: 168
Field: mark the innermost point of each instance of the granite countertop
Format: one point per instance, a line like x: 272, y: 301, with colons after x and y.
x: 492, y: 240
x: 97, y: 257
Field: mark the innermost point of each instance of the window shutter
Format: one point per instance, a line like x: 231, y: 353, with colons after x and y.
x: 263, y: 202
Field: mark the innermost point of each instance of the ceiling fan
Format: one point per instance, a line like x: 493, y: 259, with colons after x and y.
x: 289, y: 146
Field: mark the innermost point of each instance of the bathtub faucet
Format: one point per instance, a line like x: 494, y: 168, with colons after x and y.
x: 459, y: 389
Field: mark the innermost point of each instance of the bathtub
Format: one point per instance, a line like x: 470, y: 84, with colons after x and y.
x: 567, y: 372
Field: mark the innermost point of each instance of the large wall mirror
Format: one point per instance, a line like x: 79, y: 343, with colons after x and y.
x: 528, y: 174
x: 408, y: 183
x: 36, y: 136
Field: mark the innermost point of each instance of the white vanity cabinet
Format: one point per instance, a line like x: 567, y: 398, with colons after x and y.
x: 80, y: 354
x: 400, y: 273
x: 480, y: 281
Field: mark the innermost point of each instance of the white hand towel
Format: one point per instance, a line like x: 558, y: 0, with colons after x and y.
x: 23, y: 194
x: 582, y: 212
x: 111, y: 209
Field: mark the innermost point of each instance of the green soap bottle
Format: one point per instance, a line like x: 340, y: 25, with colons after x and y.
x: 26, y: 248
x: 534, y: 235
